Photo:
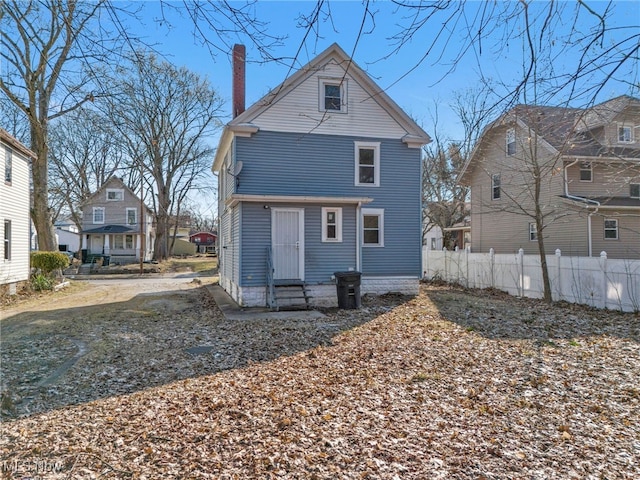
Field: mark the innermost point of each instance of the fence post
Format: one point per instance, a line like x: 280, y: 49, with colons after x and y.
x: 492, y: 266
x: 559, y: 274
x: 603, y: 269
x: 521, y: 279
x: 466, y: 259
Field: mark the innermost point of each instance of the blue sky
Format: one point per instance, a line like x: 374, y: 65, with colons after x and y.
x: 416, y: 90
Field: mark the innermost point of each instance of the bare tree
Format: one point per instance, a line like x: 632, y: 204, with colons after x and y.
x: 164, y: 114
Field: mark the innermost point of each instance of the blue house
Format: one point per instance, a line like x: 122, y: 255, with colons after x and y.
x: 321, y: 175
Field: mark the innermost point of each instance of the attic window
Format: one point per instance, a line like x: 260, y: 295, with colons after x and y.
x: 625, y: 134
x: 115, y: 195
x: 333, y: 95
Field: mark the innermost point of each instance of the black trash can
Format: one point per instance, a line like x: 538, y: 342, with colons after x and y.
x: 84, y: 252
x: 348, y: 289
x: 105, y: 260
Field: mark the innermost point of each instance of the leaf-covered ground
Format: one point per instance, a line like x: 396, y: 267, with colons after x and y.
x: 451, y: 384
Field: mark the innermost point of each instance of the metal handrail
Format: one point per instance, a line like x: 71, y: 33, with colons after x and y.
x: 271, y: 291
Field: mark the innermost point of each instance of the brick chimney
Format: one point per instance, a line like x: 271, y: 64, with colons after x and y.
x: 239, y: 54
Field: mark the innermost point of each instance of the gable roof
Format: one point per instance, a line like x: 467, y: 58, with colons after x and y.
x: 109, y: 184
x: 561, y: 129
x: 242, y: 123
x: 15, y: 144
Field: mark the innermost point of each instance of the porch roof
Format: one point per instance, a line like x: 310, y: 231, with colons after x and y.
x: 106, y: 229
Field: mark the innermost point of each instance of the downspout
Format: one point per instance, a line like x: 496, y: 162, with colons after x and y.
x: 358, y: 265
x: 581, y: 199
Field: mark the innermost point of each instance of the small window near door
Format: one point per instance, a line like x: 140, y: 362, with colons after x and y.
x: 373, y: 227
x: 331, y: 224
x: 610, y: 229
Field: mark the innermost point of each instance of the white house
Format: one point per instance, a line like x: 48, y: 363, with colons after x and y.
x: 15, y: 165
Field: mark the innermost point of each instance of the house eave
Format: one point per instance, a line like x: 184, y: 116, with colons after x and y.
x: 230, y: 131
x: 236, y: 198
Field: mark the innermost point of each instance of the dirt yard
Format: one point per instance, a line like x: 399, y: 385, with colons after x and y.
x: 150, y: 381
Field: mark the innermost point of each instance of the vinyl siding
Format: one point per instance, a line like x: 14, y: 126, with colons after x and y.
x: 608, y: 179
x: 628, y: 243
x: 115, y: 212
x: 321, y: 259
x: 14, y: 206
x: 277, y: 163
x: 299, y: 112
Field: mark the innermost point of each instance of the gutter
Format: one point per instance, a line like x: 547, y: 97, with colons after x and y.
x: 584, y: 200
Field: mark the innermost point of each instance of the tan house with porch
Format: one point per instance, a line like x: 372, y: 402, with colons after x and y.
x: 114, y: 227
x: 588, y: 165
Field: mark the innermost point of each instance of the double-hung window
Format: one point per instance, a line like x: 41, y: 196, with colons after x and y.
x: 610, y: 229
x: 333, y: 95
x: 8, y: 165
x: 533, y: 232
x: 625, y: 134
x: 367, y: 164
x: 132, y: 217
x: 511, y: 141
x: 7, y: 239
x: 98, y: 214
x: 373, y: 227
x: 331, y: 224
x: 495, y: 186
x: 586, y: 172
x: 634, y: 190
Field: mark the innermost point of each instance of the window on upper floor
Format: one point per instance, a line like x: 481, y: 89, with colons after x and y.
x: 511, y: 141
x: 495, y: 186
x: 367, y: 164
x: 533, y: 232
x: 373, y: 227
x: 132, y: 216
x: 625, y: 134
x: 331, y: 224
x: 7, y: 239
x: 98, y: 214
x: 115, y: 194
x: 8, y: 165
x: 586, y: 172
x: 333, y: 95
x: 634, y: 190
x: 610, y: 229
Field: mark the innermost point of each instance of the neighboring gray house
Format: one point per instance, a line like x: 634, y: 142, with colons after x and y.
x: 322, y: 175
x: 111, y: 224
x: 15, y: 168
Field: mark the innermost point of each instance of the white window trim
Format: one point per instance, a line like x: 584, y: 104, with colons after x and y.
x: 338, y: 212
x: 98, y: 209
x: 371, y: 212
x: 630, y: 190
x: 493, y: 186
x: 617, y: 229
x: 510, y: 138
x: 533, y: 232
x: 376, y: 163
x: 631, y: 129
x: 6, y: 239
x: 340, y: 82
x: 115, y: 190
x: 135, y: 215
x: 581, y: 169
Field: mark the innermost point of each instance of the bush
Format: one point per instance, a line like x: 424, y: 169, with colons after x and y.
x: 47, y: 262
x: 40, y: 282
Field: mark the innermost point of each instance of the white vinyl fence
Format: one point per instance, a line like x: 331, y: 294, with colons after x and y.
x: 597, y: 282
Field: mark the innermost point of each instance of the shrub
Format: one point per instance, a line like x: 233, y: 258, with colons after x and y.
x: 47, y: 262
x: 40, y: 282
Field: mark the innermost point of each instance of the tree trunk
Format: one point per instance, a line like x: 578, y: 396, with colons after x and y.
x: 40, y: 208
x: 546, y: 282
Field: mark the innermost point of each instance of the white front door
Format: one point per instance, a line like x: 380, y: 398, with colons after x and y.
x: 97, y: 244
x: 287, y: 242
